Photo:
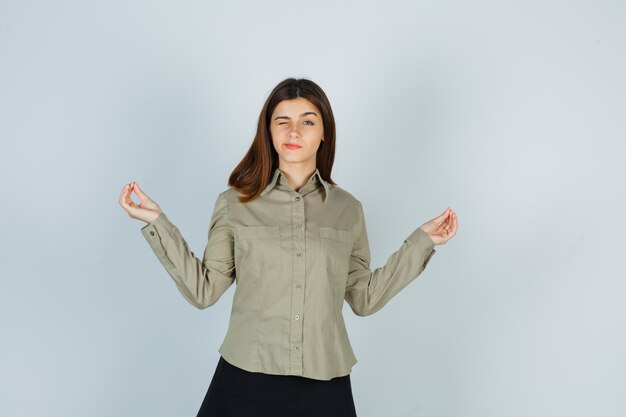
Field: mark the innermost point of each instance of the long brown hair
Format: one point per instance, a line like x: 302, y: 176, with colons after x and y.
x: 254, y: 172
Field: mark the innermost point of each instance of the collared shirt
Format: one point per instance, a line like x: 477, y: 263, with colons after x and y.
x: 295, y: 256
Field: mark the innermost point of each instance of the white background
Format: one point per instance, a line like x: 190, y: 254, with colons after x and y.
x: 510, y: 113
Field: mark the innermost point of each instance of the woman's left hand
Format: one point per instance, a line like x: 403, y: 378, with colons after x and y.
x: 441, y: 228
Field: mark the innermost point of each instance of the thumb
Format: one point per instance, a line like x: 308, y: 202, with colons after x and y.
x: 442, y: 216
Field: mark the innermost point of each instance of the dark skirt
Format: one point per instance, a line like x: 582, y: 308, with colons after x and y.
x: 235, y: 392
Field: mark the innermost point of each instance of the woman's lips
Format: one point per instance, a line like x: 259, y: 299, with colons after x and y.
x: 291, y: 146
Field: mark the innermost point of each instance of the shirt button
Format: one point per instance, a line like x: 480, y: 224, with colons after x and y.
x: 297, y: 198
x: 299, y: 254
x: 298, y: 226
x: 297, y: 317
x: 297, y: 347
x: 298, y: 286
x: 151, y: 233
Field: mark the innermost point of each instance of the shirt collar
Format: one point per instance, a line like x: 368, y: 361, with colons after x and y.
x: 278, y: 178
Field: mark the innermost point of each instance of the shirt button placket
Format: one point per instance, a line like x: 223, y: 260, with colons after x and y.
x: 299, y: 263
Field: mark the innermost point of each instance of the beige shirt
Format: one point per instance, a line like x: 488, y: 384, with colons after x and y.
x: 295, y: 256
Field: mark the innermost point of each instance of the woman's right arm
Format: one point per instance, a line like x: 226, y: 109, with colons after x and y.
x: 201, y: 282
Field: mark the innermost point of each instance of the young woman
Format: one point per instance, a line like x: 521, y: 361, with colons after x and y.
x: 296, y: 245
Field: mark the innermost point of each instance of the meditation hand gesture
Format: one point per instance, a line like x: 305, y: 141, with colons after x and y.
x: 147, y: 210
x: 441, y: 228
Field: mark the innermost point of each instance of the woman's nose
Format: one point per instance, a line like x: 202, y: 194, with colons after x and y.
x: 294, y: 133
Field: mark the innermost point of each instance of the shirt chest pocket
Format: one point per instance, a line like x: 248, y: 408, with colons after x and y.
x: 336, y: 245
x: 257, y: 251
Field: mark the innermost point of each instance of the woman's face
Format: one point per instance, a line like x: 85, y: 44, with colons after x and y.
x: 296, y: 122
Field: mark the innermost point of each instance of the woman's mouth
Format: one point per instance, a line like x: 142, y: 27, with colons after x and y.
x: 292, y: 146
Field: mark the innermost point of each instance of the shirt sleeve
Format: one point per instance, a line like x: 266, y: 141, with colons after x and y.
x: 200, y: 282
x: 367, y: 291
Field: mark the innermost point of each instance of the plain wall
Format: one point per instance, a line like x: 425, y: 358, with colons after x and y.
x: 511, y: 113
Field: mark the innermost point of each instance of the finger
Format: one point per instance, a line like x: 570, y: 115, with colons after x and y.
x: 445, y: 224
x: 124, y: 200
x: 122, y: 194
x: 128, y: 198
x: 456, y: 223
x: 452, y: 225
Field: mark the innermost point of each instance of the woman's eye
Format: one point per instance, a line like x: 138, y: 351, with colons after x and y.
x: 306, y: 121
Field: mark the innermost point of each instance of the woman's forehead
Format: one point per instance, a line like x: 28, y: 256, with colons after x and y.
x: 296, y: 107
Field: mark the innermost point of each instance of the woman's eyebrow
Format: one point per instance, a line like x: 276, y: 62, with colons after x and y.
x: 303, y: 114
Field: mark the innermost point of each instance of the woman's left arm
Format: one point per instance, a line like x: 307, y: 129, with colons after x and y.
x: 367, y: 290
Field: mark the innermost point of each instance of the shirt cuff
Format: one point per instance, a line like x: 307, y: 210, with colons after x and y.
x: 423, y: 243
x: 161, y: 222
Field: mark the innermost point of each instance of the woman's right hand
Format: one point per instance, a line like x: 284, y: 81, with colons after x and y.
x: 147, y: 210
